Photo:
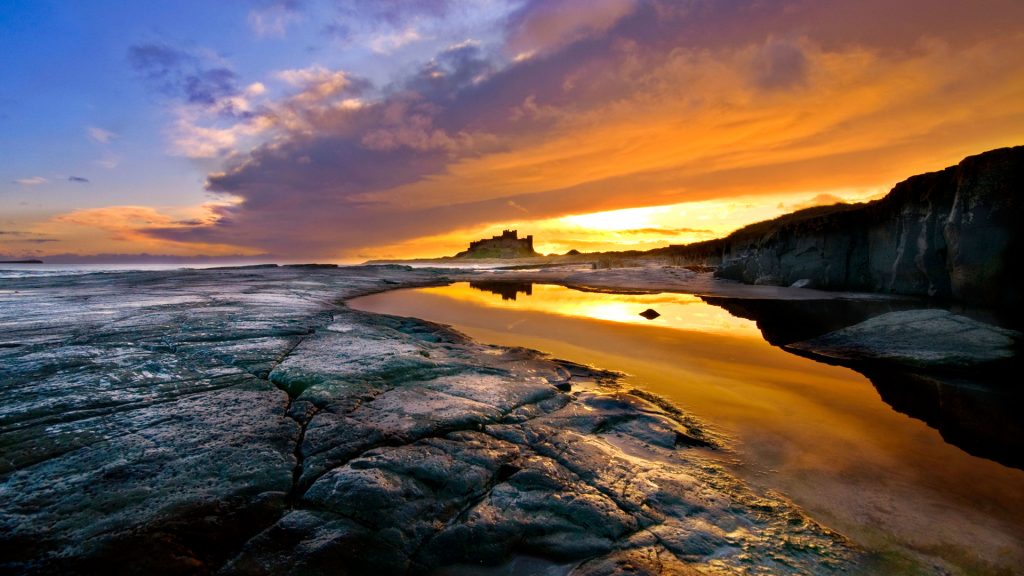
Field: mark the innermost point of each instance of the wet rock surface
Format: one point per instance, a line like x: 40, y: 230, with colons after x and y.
x: 919, y: 338
x: 246, y: 422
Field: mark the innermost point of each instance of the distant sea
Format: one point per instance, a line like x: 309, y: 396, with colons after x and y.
x: 36, y: 270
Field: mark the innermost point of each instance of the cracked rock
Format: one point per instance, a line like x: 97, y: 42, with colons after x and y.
x: 244, y: 422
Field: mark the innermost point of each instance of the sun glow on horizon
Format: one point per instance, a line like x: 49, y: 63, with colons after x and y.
x: 610, y: 126
x: 641, y: 228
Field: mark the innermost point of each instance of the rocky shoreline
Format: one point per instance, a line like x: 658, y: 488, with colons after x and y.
x: 950, y: 235
x: 247, y: 422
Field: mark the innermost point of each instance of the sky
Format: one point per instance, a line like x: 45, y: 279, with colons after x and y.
x: 348, y: 130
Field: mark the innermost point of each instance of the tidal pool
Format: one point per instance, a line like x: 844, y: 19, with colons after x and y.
x: 819, y: 434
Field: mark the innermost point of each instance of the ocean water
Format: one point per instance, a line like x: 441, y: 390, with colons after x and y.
x: 36, y: 270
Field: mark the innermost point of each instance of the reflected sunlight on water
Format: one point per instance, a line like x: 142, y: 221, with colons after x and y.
x: 818, y: 433
x: 678, y: 311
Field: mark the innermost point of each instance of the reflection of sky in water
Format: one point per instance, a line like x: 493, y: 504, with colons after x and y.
x: 816, y: 432
x: 678, y: 311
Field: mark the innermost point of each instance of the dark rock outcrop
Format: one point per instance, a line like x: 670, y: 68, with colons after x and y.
x: 945, y: 370
x: 952, y: 234
x: 942, y: 368
x: 928, y: 338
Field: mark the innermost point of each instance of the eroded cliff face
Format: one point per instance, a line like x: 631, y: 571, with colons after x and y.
x: 952, y: 234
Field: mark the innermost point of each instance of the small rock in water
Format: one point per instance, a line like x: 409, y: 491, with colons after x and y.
x: 650, y: 314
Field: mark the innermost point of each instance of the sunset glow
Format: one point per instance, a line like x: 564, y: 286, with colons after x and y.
x: 300, y: 130
x: 633, y: 228
x: 677, y: 311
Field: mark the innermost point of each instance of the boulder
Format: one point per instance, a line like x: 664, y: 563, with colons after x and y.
x: 926, y: 338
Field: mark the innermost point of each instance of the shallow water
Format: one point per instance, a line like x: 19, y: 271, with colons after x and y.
x: 819, y: 434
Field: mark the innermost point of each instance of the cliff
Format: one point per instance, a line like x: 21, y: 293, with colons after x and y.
x: 507, y: 245
x: 952, y: 234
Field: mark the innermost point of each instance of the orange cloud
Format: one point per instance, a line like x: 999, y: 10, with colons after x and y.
x: 729, y: 137
x: 624, y: 105
x: 126, y: 229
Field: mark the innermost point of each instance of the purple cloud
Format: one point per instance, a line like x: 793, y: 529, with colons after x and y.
x: 343, y: 180
x: 181, y: 74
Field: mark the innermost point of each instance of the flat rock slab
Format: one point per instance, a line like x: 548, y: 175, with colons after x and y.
x: 246, y: 422
x: 919, y: 338
x: 653, y: 278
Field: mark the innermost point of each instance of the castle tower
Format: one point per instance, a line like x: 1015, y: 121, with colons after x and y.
x: 508, y: 244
